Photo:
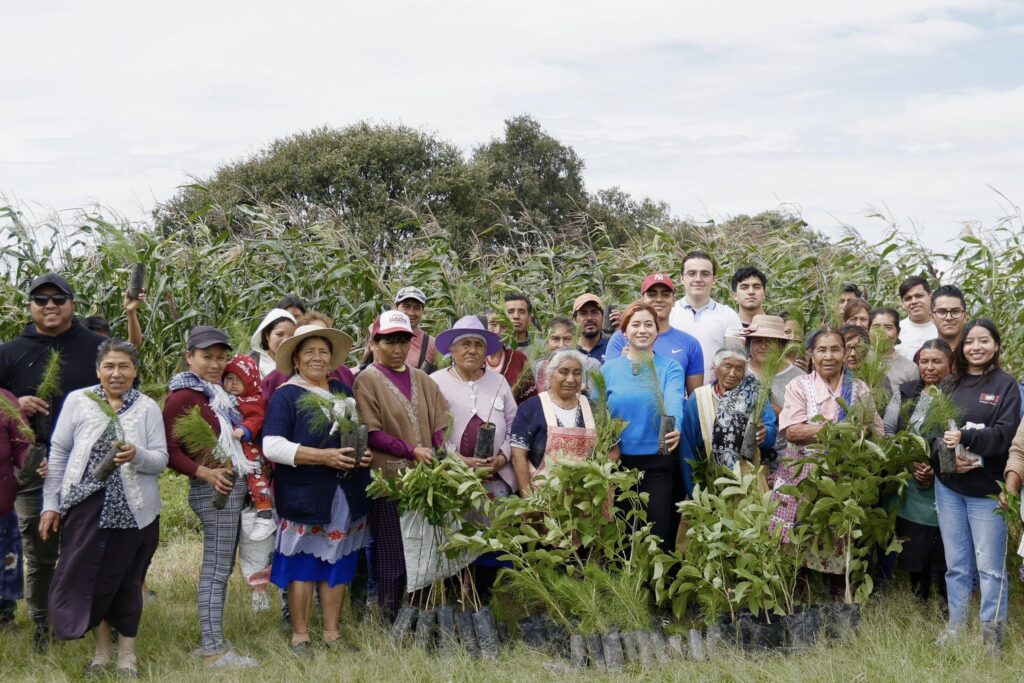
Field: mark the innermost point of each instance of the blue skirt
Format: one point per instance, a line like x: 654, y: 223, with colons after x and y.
x: 306, y: 567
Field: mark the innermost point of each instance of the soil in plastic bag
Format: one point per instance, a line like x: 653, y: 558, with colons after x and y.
x: 577, y: 650
x: 486, y: 632
x: 426, y: 625
x: 803, y: 628
x: 667, y: 425
x: 841, y: 619
x: 612, y: 646
x: 659, y: 645
x: 595, y: 651
x: 645, y: 649
x: 532, y: 631
x: 447, y: 638
x: 484, y: 447
x: 221, y: 499
x: 696, y: 643
x: 760, y: 635
x: 629, y: 651
x: 467, y: 633
x: 403, y: 625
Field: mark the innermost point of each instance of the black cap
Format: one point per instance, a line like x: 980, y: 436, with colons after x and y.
x: 205, y: 336
x: 51, y: 279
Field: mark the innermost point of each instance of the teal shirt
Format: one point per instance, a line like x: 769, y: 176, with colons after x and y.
x: 630, y: 398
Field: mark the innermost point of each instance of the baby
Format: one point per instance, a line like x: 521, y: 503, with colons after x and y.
x: 256, y: 544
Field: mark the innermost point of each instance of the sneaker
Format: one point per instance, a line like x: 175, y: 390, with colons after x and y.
x: 232, y: 659
x: 260, y: 602
x: 41, y: 638
x: 992, y: 635
x: 949, y: 637
x: 265, y: 514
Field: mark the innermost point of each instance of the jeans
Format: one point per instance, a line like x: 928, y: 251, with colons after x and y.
x: 40, y: 555
x: 974, y: 538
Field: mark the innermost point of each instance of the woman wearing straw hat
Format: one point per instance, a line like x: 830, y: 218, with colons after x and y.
x: 406, y: 415
x: 483, y: 409
x: 320, y: 487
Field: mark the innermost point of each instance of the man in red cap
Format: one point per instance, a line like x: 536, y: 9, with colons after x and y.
x: 588, y: 312
x: 659, y: 291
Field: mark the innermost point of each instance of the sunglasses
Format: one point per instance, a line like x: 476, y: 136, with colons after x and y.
x: 42, y: 300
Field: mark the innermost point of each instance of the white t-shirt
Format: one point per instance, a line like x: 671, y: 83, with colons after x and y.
x: 710, y: 325
x: 913, y: 336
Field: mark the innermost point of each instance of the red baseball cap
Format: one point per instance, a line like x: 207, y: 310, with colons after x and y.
x: 657, y: 279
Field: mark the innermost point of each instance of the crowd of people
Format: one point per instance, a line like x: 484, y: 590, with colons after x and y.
x: 276, y: 488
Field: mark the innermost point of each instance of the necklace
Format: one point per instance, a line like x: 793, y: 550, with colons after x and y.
x: 557, y: 402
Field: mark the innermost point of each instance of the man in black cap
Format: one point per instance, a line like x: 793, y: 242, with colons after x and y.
x: 54, y: 328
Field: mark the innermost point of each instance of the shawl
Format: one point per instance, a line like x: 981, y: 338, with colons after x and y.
x: 731, y: 420
x: 225, y: 407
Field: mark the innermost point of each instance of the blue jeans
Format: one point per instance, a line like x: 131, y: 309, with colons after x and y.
x: 975, y: 541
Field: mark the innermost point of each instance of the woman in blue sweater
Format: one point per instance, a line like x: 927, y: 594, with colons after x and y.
x: 641, y: 388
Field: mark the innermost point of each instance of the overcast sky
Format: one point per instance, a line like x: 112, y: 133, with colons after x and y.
x: 915, y: 107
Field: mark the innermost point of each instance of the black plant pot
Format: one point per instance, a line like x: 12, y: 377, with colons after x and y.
x: 611, y: 643
x: 803, y: 628
x: 426, y: 626
x: 137, y: 281
x: 629, y: 649
x: 675, y: 646
x: 763, y: 636
x: 577, y: 650
x: 106, y: 466
x: 595, y: 650
x: 696, y: 646
x: 645, y: 649
x: 34, y: 458
x: 659, y: 645
x: 447, y: 638
x: 484, y: 447
x: 221, y: 499
x: 841, y: 619
x: 486, y: 632
x: 467, y: 633
x: 666, y: 426
x: 403, y: 624
x: 532, y: 631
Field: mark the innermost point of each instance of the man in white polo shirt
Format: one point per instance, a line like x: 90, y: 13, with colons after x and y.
x: 918, y: 327
x: 699, y: 315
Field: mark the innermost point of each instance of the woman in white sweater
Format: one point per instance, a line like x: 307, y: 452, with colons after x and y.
x: 110, y: 524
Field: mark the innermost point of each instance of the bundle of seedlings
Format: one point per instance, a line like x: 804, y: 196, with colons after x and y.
x: 647, y: 374
x: 773, y: 365
x: 49, y: 390
x: 448, y: 495
x: 581, y: 568
x: 336, y: 414
x: 106, y: 466
x: 197, y: 436
x: 935, y: 413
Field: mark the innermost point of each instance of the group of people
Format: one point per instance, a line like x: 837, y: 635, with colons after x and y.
x: 263, y: 436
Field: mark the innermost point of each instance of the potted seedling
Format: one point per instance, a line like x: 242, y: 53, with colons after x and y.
x: 336, y: 414
x: 197, y: 436
x: 940, y: 414
x: 107, y: 464
x: 647, y: 373
x: 137, y: 281
x: 42, y: 423
x: 773, y: 365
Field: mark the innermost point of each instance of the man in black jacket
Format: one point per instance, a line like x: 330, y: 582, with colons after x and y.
x: 54, y: 328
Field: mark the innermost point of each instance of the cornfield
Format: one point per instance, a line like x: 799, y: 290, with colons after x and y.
x: 207, y: 277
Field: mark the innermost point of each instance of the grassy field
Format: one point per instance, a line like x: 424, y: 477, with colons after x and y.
x: 894, y: 644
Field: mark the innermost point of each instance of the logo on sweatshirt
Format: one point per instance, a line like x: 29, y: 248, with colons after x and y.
x: 990, y: 399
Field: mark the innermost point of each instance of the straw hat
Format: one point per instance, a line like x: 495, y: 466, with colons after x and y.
x: 767, y: 327
x: 340, y: 343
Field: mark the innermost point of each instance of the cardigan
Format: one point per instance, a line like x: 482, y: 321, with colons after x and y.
x: 13, y: 449
x: 80, y: 424
x: 177, y: 404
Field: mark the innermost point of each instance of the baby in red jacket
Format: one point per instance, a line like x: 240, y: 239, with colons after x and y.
x: 242, y: 380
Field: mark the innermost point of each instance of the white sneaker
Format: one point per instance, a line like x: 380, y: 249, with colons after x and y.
x: 260, y: 602
x: 232, y: 659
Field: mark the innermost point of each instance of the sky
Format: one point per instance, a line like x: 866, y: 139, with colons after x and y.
x: 835, y: 110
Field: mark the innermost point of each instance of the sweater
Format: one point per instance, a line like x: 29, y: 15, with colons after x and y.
x: 13, y: 449
x: 23, y: 359
x: 305, y: 493
x: 177, y: 404
x: 991, y: 405
x: 76, y: 432
x: 630, y: 398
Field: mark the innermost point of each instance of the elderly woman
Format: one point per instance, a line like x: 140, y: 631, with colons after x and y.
x: 643, y: 387
x: 769, y: 334
x: 917, y: 522
x: 478, y: 396
x: 406, y: 415
x: 276, y: 378
x: 808, y: 397
x: 110, y: 526
x: 206, y: 356
x: 277, y: 325
x: 320, y: 487
x: 716, y: 418
x: 557, y: 424
x: 973, y: 535
x: 14, y: 443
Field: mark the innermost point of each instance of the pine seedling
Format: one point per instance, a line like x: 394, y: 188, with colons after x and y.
x: 49, y: 383
x: 197, y: 436
x: 11, y: 411
x: 328, y: 415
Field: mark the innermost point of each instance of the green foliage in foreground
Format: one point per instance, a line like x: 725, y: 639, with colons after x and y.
x: 894, y: 644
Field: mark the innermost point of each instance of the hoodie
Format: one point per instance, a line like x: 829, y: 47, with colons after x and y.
x: 250, y: 402
x: 267, y: 364
x: 23, y: 359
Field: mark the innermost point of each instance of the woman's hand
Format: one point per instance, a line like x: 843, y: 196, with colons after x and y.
x: 126, y: 454
x: 615, y: 453
x: 1013, y: 482
x: 49, y: 523
x: 339, y: 458
x: 475, y: 463
x: 952, y: 438
x: 44, y: 468
x: 923, y: 474
x: 220, y: 479
x: 672, y: 440
x: 367, y: 459
x: 238, y: 433
x: 761, y: 433
x: 965, y: 464
x: 423, y: 454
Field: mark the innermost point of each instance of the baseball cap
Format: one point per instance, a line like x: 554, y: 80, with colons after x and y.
x: 205, y: 336
x: 410, y: 293
x: 657, y: 279
x: 51, y: 279
x: 584, y: 299
x: 391, y: 322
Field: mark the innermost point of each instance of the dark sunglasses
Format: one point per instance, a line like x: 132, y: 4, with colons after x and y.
x: 42, y: 300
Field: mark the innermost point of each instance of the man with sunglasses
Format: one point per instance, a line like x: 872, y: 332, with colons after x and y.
x: 53, y: 328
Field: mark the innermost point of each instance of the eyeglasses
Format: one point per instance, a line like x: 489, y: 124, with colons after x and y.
x: 41, y: 300
x: 953, y: 313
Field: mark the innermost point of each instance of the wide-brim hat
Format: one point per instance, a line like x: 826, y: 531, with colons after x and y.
x: 467, y: 326
x: 767, y: 327
x: 341, y: 345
